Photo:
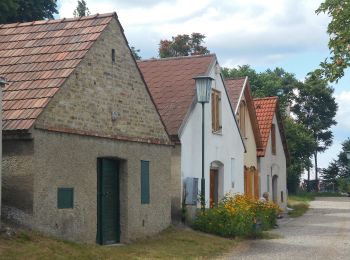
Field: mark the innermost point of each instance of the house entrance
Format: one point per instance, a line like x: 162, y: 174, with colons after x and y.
x: 274, y: 188
x: 108, y: 206
x: 214, y: 187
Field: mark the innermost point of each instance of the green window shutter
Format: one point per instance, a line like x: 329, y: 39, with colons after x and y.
x: 65, y: 198
x: 145, y: 198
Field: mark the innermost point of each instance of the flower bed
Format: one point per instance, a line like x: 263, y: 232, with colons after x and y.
x: 237, y: 215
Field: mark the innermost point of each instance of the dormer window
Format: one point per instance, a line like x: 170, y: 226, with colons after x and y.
x: 273, y: 139
x: 216, y: 110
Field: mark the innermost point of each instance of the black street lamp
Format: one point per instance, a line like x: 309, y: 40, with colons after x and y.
x: 348, y: 157
x: 203, y: 87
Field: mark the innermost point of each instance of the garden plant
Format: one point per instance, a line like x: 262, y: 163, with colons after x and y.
x: 238, y: 215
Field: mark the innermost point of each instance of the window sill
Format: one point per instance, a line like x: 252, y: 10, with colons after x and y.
x: 217, y: 132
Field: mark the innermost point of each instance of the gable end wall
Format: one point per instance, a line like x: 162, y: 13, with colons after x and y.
x: 99, y: 87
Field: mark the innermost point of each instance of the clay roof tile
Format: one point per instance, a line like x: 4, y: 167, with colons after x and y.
x: 36, y: 58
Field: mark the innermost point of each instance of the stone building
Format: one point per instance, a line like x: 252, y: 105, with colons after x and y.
x: 172, y: 85
x: 241, y: 99
x: 86, y: 156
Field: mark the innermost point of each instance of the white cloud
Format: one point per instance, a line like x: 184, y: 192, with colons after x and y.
x: 343, y: 114
x: 240, y: 32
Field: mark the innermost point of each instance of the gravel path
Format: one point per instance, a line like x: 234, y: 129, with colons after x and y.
x: 322, y: 233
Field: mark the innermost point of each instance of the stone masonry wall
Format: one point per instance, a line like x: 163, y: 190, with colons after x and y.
x: 99, y: 87
x: 69, y: 160
x: 17, y: 168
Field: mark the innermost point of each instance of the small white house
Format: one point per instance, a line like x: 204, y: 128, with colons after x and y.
x: 172, y: 86
x: 273, y: 157
x: 242, y: 100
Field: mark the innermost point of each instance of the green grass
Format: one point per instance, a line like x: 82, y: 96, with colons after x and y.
x: 170, y: 244
x: 300, y: 202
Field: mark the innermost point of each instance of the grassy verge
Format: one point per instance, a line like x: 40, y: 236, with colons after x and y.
x: 170, y: 244
x: 300, y: 203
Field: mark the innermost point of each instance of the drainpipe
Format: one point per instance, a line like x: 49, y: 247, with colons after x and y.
x: 2, y: 84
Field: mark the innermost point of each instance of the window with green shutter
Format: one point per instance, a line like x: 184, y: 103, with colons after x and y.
x: 145, y: 198
x: 65, y: 198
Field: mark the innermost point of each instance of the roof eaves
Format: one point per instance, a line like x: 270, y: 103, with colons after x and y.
x: 233, y: 113
x: 241, y: 94
x: 252, y: 114
x: 193, y: 103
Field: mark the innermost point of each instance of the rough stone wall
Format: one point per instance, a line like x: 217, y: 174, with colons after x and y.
x: 99, y: 87
x: 84, y: 105
x: 17, y: 169
x: 176, y: 185
x: 68, y: 160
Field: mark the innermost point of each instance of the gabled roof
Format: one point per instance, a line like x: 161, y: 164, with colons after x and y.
x: 236, y: 88
x: 172, y: 86
x: 266, y: 108
x: 37, y: 57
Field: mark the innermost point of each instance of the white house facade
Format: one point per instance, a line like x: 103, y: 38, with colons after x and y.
x: 273, y: 168
x: 223, y: 152
x: 272, y: 160
x: 172, y: 86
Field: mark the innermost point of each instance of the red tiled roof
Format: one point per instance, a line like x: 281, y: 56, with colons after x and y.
x: 37, y: 57
x: 265, y: 109
x: 234, y: 89
x: 172, y: 87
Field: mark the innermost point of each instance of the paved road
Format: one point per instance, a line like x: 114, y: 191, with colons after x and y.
x: 322, y: 233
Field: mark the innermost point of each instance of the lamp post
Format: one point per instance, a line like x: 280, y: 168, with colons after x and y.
x: 348, y: 157
x: 203, y: 89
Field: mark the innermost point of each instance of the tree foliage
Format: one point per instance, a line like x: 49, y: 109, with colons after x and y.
x: 26, y: 10
x: 135, y: 52
x: 269, y: 83
x: 315, y: 108
x: 338, y: 171
x: 81, y: 10
x: 183, y: 45
x: 339, y: 38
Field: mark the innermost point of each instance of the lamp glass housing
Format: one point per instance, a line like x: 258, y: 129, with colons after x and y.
x: 348, y: 155
x: 203, y: 88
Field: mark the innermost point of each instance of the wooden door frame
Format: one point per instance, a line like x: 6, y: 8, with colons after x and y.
x: 99, y: 233
x: 214, y: 201
x: 275, y: 188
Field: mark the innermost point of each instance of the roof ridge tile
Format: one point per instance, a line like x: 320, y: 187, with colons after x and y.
x: 177, y: 58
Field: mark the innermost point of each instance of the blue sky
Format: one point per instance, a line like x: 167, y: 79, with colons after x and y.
x: 264, y: 34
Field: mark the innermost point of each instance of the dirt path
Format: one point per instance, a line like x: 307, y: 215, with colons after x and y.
x: 322, y: 233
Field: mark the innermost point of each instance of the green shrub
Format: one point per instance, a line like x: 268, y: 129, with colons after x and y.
x: 237, y: 216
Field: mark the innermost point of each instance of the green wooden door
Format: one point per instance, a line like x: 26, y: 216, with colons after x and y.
x: 108, y: 226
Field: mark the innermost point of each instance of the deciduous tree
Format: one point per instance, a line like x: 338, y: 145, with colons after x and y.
x: 81, y: 10
x: 315, y: 108
x: 135, y: 53
x: 183, y: 45
x: 339, y: 38
x: 26, y: 10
